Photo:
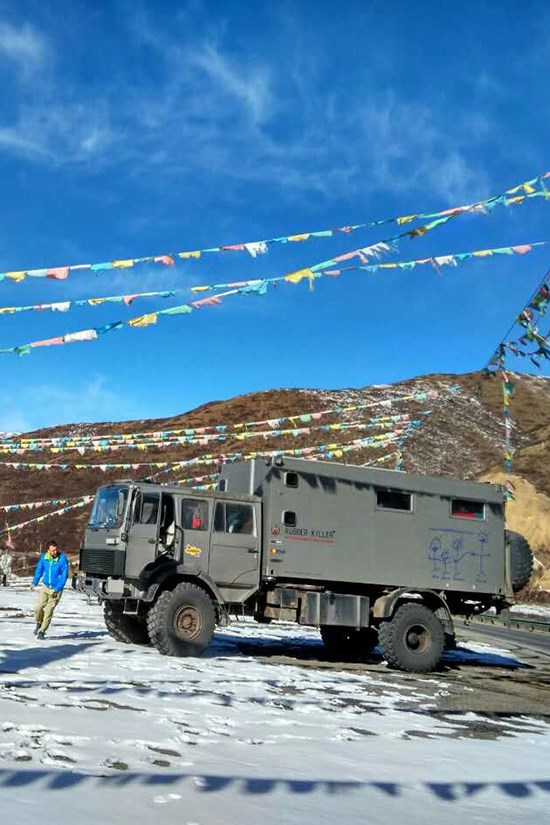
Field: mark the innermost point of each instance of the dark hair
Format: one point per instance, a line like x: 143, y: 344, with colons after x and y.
x: 52, y: 543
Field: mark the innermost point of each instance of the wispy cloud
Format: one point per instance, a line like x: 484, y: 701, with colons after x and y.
x: 251, y: 87
x: 406, y: 145
x: 93, y: 400
x: 58, y: 134
x: 205, y: 113
x: 23, y: 46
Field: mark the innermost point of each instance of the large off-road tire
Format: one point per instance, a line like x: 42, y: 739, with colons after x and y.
x: 521, y: 560
x: 413, y: 639
x: 182, y: 621
x: 348, y: 643
x: 129, y: 629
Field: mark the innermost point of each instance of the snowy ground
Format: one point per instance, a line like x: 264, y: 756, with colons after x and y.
x: 540, y: 611
x: 96, y: 731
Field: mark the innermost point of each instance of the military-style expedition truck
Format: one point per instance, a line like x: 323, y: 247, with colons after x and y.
x: 369, y: 556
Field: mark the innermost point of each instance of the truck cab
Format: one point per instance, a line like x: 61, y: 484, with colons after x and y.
x: 139, y: 535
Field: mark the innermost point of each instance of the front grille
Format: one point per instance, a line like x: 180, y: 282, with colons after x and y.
x: 107, y: 562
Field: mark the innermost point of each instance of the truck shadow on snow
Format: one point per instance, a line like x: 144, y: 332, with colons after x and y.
x: 59, y: 780
x: 14, y: 661
x: 84, y: 634
x: 312, y: 651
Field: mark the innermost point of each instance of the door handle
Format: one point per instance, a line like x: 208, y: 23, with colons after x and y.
x: 151, y: 541
x: 253, y: 551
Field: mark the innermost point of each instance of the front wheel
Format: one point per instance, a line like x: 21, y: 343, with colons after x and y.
x: 182, y: 621
x: 413, y: 640
x: 132, y: 630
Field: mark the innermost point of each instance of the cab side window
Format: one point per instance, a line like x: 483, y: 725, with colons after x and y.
x: 234, y: 518
x: 194, y: 514
x: 147, y: 508
x: 167, y: 523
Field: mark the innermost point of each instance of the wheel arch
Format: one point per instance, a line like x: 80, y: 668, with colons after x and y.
x: 171, y: 578
x: 385, y: 606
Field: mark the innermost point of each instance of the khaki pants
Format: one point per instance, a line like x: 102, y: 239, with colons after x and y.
x: 47, y: 602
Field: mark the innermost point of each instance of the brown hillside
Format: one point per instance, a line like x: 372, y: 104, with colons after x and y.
x: 463, y: 437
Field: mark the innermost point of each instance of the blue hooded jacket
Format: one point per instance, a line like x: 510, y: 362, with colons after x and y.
x: 53, y: 572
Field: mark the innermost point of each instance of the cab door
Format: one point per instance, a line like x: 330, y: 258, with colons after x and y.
x: 141, y: 548
x: 235, y: 547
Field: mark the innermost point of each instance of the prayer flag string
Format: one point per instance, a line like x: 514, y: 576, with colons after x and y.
x: 533, y: 188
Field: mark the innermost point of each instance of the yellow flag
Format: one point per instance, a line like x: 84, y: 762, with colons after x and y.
x: 123, y: 264
x: 144, y: 320
x: 189, y: 254
x: 299, y: 275
x: 299, y: 237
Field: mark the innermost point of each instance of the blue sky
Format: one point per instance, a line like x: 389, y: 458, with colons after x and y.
x: 136, y: 128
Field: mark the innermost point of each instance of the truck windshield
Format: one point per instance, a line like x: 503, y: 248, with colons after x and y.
x: 109, y: 507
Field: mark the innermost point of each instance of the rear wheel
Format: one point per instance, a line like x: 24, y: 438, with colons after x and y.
x: 182, y: 621
x: 132, y: 630
x: 413, y: 640
x: 347, y: 642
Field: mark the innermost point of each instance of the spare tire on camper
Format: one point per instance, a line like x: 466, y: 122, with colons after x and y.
x: 521, y: 559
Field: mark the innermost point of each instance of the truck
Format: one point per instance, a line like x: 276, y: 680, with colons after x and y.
x: 369, y: 556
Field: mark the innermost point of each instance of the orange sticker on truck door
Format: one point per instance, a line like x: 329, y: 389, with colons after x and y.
x: 191, y: 550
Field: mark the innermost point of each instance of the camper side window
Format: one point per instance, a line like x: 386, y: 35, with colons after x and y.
x: 394, y: 500
x: 462, y: 508
x: 289, y: 518
x: 291, y: 480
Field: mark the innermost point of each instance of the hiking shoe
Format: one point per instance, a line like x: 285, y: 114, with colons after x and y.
x: 36, y: 630
x: 40, y: 635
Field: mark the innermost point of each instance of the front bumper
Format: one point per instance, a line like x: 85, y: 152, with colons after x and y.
x: 114, y: 589
x: 108, y: 588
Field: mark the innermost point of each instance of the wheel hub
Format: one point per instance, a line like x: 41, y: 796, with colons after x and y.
x: 417, y: 638
x: 187, y: 622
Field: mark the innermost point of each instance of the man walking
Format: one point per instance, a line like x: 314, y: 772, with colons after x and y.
x: 5, y: 567
x: 53, y: 569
